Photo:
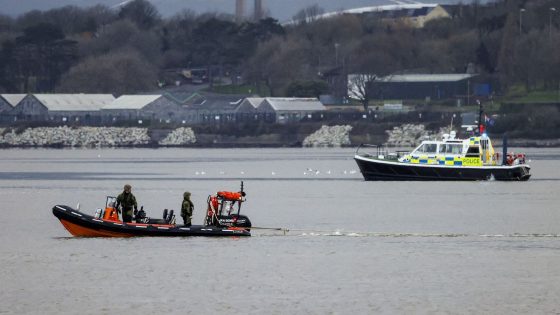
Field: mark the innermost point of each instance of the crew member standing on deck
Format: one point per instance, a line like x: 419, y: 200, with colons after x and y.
x: 187, y: 208
x: 127, y: 201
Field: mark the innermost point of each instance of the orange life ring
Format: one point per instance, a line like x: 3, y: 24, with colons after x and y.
x: 229, y: 195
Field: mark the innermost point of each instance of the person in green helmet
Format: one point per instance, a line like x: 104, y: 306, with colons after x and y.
x: 127, y: 201
x: 187, y: 208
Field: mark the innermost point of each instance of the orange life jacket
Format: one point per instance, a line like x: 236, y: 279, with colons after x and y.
x: 111, y: 214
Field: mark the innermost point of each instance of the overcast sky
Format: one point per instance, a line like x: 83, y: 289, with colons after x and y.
x: 279, y: 9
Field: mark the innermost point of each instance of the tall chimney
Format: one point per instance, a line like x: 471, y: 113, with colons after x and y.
x: 258, y: 10
x: 239, y: 10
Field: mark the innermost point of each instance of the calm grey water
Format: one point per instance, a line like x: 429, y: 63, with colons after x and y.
x: 354, y: 247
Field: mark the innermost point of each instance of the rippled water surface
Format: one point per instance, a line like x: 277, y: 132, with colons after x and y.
x: 353, y: 247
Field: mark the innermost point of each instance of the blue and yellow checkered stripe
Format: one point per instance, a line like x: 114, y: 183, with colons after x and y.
x: 423, y: 159
x: 450, y: 160
x: 445, y: 160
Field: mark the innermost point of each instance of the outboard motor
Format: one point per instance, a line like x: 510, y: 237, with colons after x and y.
x: 234, y: 220
x: 170, y: 217
x: 140, y: 216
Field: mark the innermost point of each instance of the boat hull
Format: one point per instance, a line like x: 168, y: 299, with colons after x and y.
x: 83, y: 225
x: 375, y: 169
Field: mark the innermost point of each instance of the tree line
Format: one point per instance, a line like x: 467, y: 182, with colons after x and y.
x: 512, y: 44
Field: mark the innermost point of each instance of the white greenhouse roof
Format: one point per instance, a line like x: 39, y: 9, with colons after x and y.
x: 255, y: 101
x: 295, y: 104
x: 132, y: 101
x: 74, y: 102
x: 391, y: 7
x: 377, y: 8
x: 451, y: 77
x: 13, y: 99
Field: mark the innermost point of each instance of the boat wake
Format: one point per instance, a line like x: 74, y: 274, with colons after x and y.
x: 341, y: 233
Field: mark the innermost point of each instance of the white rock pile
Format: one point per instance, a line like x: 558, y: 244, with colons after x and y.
x: 410, y: 135
x: 407, y: 135
x: 329, y: 136
x: 78, y: 137
x: 179, y: 136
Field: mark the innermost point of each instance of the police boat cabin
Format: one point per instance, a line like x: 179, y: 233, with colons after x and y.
x: 475, y: 151
x: 447, y: 159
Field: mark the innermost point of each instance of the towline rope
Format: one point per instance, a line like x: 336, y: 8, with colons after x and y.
x: 284, y: 230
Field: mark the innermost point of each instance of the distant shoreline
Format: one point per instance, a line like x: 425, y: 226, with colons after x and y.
x: 132, y: 137
x: 518, y: 143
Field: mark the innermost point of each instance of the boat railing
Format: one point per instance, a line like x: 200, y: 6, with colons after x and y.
x: 379, y: 152
x: 401, y: 153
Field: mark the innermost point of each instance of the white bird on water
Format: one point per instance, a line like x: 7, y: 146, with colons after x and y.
x: 273, y: 173
x: 311, y: 171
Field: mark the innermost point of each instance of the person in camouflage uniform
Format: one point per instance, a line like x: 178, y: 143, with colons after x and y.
x: 127, y: 200
x: 187, y: 208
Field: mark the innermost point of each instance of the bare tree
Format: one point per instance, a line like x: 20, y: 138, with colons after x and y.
x: 6, y: 23
x: 505, y: 57
x: 70, y: 19
x: 101, y: 14
x: 371, y: 61
x: 280, y: 61
x: 117, y: 73
x: 462, y: 50
x: 531, y: 61
x: 141, y: 12
x: 550, y: 54
x: 124, y: 35
x: 309, y: 14
x: 360, y: 88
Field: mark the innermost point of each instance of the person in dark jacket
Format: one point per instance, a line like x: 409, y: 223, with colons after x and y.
x: 187, y: 208
x: 127, y: 201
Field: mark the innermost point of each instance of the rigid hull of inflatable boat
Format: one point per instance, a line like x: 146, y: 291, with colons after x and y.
x: 83, y: 225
